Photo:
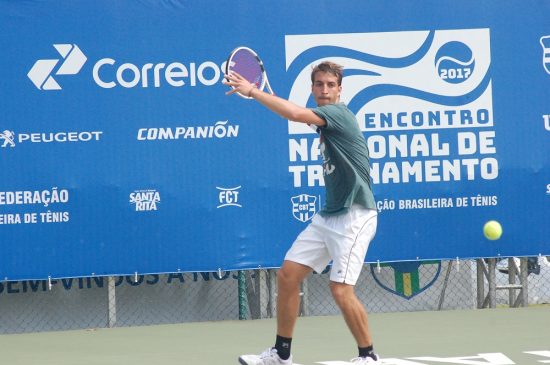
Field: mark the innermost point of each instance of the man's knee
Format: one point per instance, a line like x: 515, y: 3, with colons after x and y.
x: 342, y: 293
x: 292, y: 274
x: 284, y: 276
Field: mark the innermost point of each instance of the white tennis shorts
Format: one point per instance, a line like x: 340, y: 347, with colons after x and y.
x: 343, y: 238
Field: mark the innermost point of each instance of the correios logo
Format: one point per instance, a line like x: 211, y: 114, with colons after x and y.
x: 41, y: 73
x: 109, y: 73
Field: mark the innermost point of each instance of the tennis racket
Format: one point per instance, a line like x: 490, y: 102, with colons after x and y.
x: 246, y: 63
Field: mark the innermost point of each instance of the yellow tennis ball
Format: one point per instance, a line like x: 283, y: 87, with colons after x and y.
x: 492, y: 230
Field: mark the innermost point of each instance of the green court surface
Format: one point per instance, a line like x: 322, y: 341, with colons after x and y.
x: 488, y: 336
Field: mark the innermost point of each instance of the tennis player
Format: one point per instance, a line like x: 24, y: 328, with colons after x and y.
x: 342, y: 230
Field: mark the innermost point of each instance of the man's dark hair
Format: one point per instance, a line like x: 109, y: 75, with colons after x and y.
x: 330, y: 67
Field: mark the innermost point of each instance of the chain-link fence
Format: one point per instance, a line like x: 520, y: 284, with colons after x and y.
x: 81, y: 303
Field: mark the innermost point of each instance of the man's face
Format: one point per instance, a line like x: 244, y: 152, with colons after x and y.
x: 325, y: 89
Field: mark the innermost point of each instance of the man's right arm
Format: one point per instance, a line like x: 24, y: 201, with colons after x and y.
x: 287, y: 109
x: 280, y: 106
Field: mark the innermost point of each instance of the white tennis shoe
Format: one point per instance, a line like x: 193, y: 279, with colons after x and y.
x: 268, y: 357
x: 365, y: 360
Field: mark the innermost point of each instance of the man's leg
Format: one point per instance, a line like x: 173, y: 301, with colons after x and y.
x: 308, y: 248
x: 289, y: 278
x: 353, y: 311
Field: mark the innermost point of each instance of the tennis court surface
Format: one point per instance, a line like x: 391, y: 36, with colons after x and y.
x: 474, y: 337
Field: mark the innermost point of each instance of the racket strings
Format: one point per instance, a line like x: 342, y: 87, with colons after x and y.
x: 247, y: 64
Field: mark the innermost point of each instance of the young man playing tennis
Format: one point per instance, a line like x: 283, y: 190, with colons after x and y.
x: 342, y: 230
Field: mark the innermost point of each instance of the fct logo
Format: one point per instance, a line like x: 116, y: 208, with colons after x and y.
x: 42, y: 70
x: 228, y: 197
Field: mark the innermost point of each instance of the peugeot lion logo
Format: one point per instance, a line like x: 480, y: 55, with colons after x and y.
x: 8, y: 137
x: 41, y: 72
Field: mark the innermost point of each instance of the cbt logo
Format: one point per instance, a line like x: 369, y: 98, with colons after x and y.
x: 406, y: 279
x: 304, y: 207
x: 228, y: 197
x: 42, y: 70
x: 545, y: 43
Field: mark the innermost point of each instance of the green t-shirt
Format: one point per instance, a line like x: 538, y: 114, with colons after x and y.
x: 346, y: 166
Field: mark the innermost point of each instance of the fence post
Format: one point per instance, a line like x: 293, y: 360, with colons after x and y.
x: 243, y: 302
x: 111, y: 301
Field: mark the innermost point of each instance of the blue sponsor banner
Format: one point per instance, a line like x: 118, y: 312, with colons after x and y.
x: 120, y: 153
